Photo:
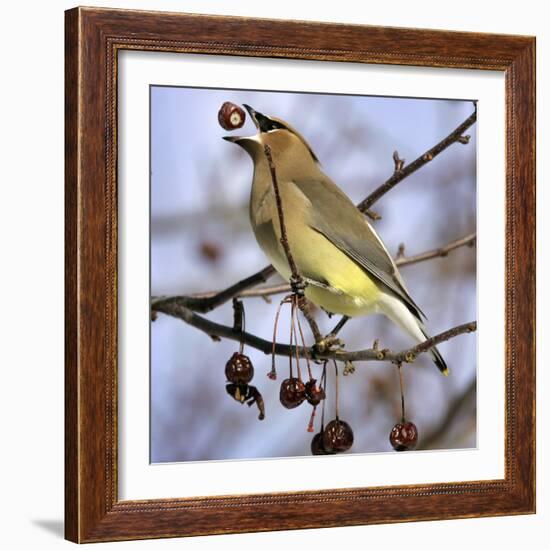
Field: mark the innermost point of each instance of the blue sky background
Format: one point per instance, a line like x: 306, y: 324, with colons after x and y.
x: 200, y: 187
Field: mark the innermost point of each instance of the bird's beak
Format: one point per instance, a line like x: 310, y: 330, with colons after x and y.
x: 253, y: 115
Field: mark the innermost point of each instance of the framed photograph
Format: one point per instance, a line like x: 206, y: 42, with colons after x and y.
x: 300, y: 275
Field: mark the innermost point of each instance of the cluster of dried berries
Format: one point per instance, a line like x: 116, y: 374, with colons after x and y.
x: 337, y: 436
x: 293, y: 391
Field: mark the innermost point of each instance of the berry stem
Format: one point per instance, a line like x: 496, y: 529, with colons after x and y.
x: 243, y: 329
x: 239, y: 324
x: 291, y: 339
x: 402, y: 392
x: 337, y: 384
x: 295, y: 322
x: 304, y: 346
x: 273, y: 372
x: 323, y: 384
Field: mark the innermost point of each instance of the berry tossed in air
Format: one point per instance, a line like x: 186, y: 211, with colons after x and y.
x: 404, y: 436
x: 338, y: 436
x: 292, y: 393
x: 314, y: 394
x: 318, y: 447
x: 239, y: 369
x: 231, y: 116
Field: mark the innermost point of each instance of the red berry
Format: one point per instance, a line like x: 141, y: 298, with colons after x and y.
x: 338, y: 436
x: 314, y: 395
x: 318, y: 447
x: 231, y: 116
x: 404, y: 436
x: 292, y: 393
x: 239, y: 369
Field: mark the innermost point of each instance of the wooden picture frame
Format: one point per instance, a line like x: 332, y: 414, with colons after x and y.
x: 93, y: 511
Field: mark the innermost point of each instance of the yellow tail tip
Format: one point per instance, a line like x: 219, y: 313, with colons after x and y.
x: 445, y: 372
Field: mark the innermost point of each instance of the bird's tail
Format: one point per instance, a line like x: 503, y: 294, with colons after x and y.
x: 436, y: 356
x: 394, y: 308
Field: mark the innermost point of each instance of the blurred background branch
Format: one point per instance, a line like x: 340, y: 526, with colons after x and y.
x: 434, y: 438
x: 207, y: 301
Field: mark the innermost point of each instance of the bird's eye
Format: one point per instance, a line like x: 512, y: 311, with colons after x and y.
x: 274, y: 125
x: 266, y: 124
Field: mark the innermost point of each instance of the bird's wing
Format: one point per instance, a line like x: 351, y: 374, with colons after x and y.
x: 338, y: 220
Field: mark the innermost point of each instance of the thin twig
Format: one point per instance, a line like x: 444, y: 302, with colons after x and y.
x: 297, y: 282
x: 401, y: 171
x: 206, y: 304
x: 435, y: 340
x: 375, y: 216
x: 282, y: 226
x: 442, y: 252
x: 303, y: 304
x: 406, y: 356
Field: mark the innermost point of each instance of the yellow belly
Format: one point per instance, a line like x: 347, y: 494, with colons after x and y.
x: 342, y: 304
x: 353, y: 291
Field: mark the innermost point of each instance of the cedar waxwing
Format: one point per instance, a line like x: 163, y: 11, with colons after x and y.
x: 347, y: 268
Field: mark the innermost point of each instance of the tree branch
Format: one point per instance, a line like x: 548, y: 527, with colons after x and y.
x: 401, y: 171
x: 210, y: 301
x: 442, y: 252
x: 217, y: 330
